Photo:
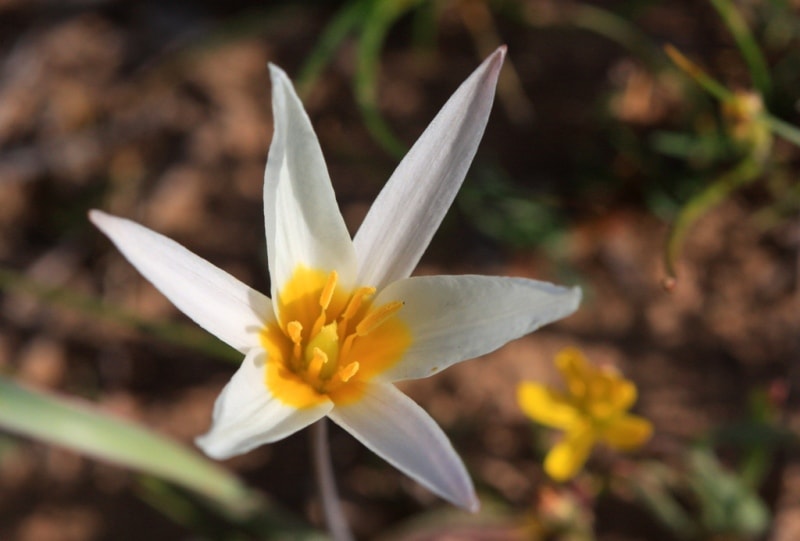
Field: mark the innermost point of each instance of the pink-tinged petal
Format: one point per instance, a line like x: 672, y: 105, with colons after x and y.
x: 303, y: 222
x: 455, y: 318
x: 215, y: 300
x: 409, y: 209
x: 395, y: 428
x: 247, y: 415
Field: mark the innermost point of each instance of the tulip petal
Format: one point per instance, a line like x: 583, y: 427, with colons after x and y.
x: 303, y: 222
x: 628, y: 432
x: 546, y: 406
x: 402, y: 220
x: 247, y: 415
x: 215, y: 300
x: 568, y: 456
x: 454, y: 318
x: 395, y: 428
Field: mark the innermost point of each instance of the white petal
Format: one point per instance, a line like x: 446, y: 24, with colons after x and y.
x: 454, y: 318
x: 409, y: 209
x: 392, y: 426
x: 246, y: 415
x: 230, y: 310
x: 303, y: 222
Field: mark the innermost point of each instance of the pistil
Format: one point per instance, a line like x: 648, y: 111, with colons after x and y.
x: 320, y: 350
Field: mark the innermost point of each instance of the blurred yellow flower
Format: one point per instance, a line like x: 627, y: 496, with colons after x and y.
x: 593, y: 408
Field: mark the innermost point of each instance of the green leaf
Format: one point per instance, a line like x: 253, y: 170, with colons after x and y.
x: 84, y: 428
x: 727, y: 504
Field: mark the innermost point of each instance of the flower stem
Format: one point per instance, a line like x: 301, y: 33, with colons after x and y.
x: 331, y: 506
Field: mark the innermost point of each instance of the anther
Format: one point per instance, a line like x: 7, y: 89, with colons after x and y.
x: 356, y: 300
x: 317, y: 363
x: 327, y: 291
x: 295, y: 331
x: 378, y: 317
x: 348, y: 371
x: 324, y: 301
x: 348, y: 343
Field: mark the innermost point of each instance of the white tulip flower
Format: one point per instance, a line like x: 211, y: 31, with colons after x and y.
x: 345, y: 321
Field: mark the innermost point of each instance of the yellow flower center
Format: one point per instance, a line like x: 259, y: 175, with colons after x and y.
x: 328, y: 341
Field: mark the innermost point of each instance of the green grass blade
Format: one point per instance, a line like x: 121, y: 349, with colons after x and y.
x: 383, y: 14
x: 709, y: 84
x: 600, y: 21
x: 783, y: 129
x: 83, y: 428
x: 335, y: 32
x: 608, y: 24
x: 746, y: 171
x: 756, y: 64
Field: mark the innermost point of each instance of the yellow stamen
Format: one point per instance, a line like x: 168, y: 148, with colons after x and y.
x: 348, y: 371
x: 348, y: 343
x: 324, y: 301
x: 356, y: 300
x: 377, y: 317
x: 329, y: 340
x: 327, y: 291
x: 295, y: 331
x: 318, y: 362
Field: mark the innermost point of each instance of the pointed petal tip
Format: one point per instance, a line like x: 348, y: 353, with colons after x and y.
x: 103, y: 220
x: 276, y: 74
x: 207, y: 447
x: 473, y: 505
x: 495, y: 60
x: 215, y: 447
x: 577, y: 297
x: 96, y: 216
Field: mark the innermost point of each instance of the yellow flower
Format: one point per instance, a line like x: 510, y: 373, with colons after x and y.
x: 593, y: 408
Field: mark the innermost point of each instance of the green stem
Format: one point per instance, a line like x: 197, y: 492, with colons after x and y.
x: 783, y: 129
x: 756, y: 64
x: 709, y: 84
x: 331, y: 505
x: 701, y: 203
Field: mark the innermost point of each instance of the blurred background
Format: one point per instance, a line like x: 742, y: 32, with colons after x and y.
x: 663, y: 184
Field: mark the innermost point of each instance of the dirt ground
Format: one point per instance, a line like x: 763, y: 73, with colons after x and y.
x: 153, y: 113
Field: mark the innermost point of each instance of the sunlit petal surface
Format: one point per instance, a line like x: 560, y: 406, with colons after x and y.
x: 215, y: 300
x: 453, y: 318
x: 408, y: 211
x: 246, y: 415
x: 395, y: 428
x: 303, y: 223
